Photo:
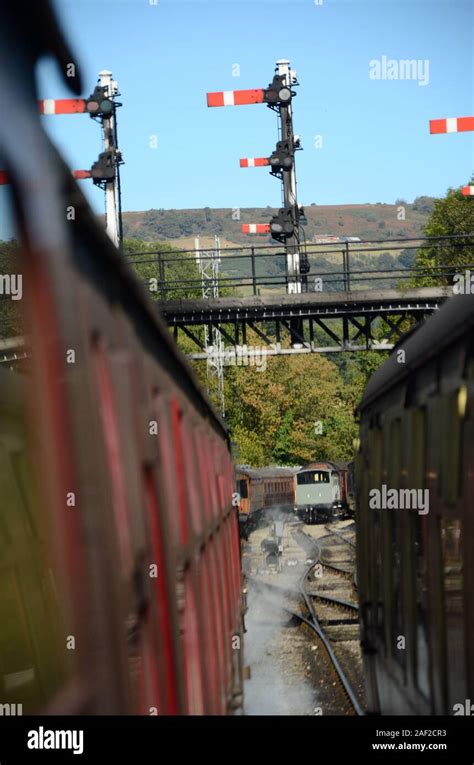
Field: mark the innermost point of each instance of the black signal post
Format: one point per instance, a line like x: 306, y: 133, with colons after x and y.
x: 285, y: 227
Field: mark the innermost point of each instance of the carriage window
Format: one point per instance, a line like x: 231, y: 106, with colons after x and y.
x: 416, y: 467
x: 421, y: 596
x: 313, y: 476
x: 191, y: 640
x: 416, y: 477
x: 377, y: 541
x: 451, y: 545
x: 454, y: 407
x: 243, y: 490
x: 398, y: 630
x: 397, y: 620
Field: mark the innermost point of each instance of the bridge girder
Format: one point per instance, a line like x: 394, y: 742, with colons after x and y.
x: 353, y: 319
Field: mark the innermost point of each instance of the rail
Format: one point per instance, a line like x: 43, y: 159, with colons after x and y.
x: 315, y: 623
x: 333, y: 267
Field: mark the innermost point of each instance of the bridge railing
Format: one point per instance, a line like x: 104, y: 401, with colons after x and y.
x: 333, y: 267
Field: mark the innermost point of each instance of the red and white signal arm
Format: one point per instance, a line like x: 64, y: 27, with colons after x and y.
x: 62, y: 106
x: 254, y: 162
x: 235, y: 97
x: 455, y: 125
x: 255, y: 228
x: 452, y: 125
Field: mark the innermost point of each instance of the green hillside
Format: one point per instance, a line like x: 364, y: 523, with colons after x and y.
x: 367, y: 221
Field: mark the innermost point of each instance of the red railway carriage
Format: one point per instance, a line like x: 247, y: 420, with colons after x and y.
x: 263, y: 488
x: 120, y: 586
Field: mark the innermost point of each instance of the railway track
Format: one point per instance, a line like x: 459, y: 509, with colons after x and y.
x: 322, y: 597
x: 348, y: 567
x: 340, y: 535
x: 314, y: 623
x: 328, y: 591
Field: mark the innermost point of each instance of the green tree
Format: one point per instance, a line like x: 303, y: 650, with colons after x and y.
x: 423, y: 204
x: 452, y: 215
x: 296, y: 410
x: 154, y: 261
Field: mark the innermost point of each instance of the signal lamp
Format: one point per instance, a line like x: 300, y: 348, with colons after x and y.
x: 284, y: 95
x: 104, y: 169
x: 281, y: 158
x: 106, y: 106
x: 281, y: 225
x: 277, y: 91
x: 98, y: 103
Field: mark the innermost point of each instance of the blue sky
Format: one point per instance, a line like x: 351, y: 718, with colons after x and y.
x: 376, y: 142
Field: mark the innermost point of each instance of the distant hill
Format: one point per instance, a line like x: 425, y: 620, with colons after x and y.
x: 367, y: 221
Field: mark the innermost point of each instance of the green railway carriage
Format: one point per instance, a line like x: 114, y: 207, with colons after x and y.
x: 321, y: 491
x: 416, y: 559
